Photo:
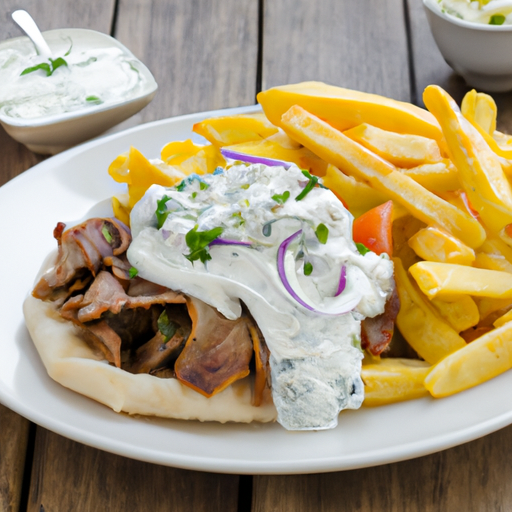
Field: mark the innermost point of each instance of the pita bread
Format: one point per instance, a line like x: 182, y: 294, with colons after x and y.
x: 70, y: 362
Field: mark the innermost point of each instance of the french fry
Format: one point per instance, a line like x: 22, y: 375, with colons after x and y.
x: 490, y: 308
x: 390, y: 380
x: 228, y: 130
x: 345, y: 108
x: 352, y: 158
x: 435, y: 244
x: 446, y: 280
x: 139, y: 174
x: 477, y: 362
x: 400, y: 149
x: 461, y: 314
x: 190, y: 158
x: 492, y: 262
x: 438, y: 177
x: 481, y: 173
x: 356, y: 195
x: 420, y: 323
x: 480, y: 109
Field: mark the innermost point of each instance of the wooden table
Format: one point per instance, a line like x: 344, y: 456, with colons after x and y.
x: 210, y: 54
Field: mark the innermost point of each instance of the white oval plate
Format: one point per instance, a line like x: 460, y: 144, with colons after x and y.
x: 65, y: 187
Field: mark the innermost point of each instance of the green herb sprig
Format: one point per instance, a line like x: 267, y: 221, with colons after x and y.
x: 167, y: 327
x: 281, y: 198
x: 198, y: 242
x: 497, y: 19
x: 49, y: 67
x: 322, y: 233
x: 161, y: 210
x: 362, y: 248
x: 312, y: 183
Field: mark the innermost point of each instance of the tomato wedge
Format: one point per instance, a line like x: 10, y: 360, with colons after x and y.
x: 374, y: 229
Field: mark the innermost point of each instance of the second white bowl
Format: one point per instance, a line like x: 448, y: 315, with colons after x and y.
x: 481, y: 54
x: 55, y: 133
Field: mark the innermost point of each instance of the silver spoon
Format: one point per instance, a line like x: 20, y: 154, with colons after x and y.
x: 28, y: 25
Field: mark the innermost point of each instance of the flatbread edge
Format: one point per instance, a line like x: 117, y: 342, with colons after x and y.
x: 70, y: 362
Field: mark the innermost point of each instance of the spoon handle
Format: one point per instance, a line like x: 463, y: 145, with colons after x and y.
x: 28, y: 25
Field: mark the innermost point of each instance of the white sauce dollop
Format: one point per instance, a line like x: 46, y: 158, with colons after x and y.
x: 97, y: 76
x: 315, y: 358
x: 479, y: 12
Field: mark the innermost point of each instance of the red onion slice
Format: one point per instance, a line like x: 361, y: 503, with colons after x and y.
x: 225, y: 241
x: 343, y: 280
x: 342, y: 303
x: 253, y: 159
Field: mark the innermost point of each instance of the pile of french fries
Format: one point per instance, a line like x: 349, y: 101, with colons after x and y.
x: 447, y: 172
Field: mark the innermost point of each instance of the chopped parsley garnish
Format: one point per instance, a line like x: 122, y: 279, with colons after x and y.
x: 181, y: 186
x: 203, y: 185
x: 281, y: 198
x: 106, y: 233
x: 133, y: 272
x: 167, y: 327
x: 308, y: 268
x: 198, y: 242
x: 497, y: 19
x: 193, y: 195
x: 238, y: 216
x: 161, y: 210
x: 93, y: 99
x: 313, y: 181
x: 362, y: 248
x: 322, y: 233
x: 49, y: 68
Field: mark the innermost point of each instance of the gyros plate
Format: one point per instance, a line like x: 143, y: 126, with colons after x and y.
x: 64, y: 188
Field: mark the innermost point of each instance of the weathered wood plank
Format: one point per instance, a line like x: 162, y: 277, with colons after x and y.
x: 358, y: 45
x: 13, y: 447
x: 58, y: 14
x: 203, y: 54
x: 473, y: 477
x: 70, y: 476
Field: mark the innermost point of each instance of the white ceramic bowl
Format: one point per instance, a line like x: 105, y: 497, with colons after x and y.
x: 481, y: 54
x: 52, y: 134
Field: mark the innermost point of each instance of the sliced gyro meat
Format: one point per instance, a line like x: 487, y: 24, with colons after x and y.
x: 217, y: 352
x: 81, y: 249
x: 377, y: 332
x: 174, y: 326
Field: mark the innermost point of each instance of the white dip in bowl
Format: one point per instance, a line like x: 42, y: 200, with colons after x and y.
x: 98, y: 84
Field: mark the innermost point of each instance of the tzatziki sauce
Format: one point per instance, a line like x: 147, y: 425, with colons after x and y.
x: 95, y: 76
x: 313, y: 334
x: 489, y: 12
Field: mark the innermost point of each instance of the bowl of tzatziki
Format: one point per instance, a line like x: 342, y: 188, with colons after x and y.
x: 91, y: 83
x: 475, y: 39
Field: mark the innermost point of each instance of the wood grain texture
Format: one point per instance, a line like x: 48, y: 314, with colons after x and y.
x: 358, y: 45
x: 69, y: 476
x: 13, y: 445
x: 58, y: 14
x: 473, y: 477
x: 203, y: 53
